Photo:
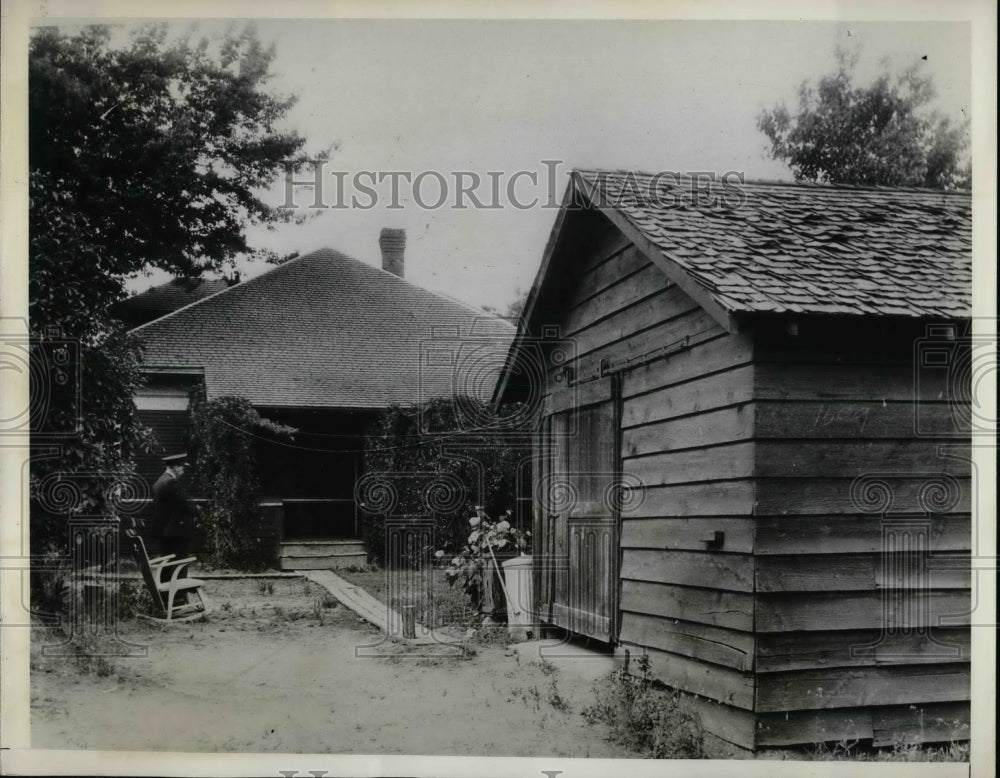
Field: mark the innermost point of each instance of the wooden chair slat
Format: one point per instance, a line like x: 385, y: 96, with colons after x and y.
x: 162, y: 576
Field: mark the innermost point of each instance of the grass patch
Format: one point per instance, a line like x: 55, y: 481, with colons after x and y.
x: 74, y: 655
x: 912, y: 752
x: 246, y: 604
x: 864, y: 751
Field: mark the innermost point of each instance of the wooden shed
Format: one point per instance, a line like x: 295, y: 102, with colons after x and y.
x: 753, y: 450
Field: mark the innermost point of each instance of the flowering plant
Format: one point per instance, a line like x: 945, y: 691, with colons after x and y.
x: 486, y: 539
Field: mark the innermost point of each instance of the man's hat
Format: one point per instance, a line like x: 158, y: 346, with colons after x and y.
x: 175, y: 459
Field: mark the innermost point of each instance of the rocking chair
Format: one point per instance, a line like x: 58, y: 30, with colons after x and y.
x: 175, y: 599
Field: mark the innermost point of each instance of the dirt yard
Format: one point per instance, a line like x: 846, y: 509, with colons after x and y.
x: 284, y: 668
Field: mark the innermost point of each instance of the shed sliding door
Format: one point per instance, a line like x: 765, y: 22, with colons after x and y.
x: 578, y: 523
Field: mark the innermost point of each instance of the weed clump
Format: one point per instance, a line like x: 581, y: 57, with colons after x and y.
x: 556, y: 700
x: 133, y: 599
x: 645, y: 717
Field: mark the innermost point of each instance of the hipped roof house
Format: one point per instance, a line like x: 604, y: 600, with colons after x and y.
x: 320, y: 331
x: 323, y: 342
x: 753, y: 447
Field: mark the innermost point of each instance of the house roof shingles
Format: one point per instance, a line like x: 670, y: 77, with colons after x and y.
x: 327, y: 331
x: 167, y: 298
x: 801, y: 248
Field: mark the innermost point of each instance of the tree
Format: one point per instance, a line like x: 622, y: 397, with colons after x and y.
x: 883, y: 134
x: 147, y: 153
x: 514, y: 309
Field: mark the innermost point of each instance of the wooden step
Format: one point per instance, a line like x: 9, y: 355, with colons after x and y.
x: 322, y: 561
x: 333, y: 551
x: 321, y: 547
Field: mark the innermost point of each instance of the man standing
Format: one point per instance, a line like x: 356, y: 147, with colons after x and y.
x: 173, y: 512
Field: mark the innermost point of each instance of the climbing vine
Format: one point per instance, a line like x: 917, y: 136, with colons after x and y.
x: 441, y: 460
x: 224, y: 434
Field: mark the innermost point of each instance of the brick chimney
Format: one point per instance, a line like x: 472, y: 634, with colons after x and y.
x: 393, y: 243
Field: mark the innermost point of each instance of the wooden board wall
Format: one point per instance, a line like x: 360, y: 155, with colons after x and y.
x: 862, y: 543
x: 686, y: 438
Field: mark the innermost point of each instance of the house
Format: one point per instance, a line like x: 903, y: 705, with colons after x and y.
x: 753, y: 454
x: 322, y: 343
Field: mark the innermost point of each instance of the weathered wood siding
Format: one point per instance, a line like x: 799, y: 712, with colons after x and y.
x: 862, y: 543
x: 686, y: 440
x: 687, y: 436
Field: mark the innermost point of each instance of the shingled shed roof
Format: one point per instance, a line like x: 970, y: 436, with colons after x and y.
x: 800, y: 248
x: 327, y: 331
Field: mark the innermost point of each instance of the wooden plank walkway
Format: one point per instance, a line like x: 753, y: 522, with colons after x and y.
x: 371, y: 610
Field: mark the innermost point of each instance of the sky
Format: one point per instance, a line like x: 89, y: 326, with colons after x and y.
x: 439, y: 97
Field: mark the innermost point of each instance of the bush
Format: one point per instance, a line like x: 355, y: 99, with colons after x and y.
x: 222, y: 436
x: 487, y: 541
x: 133, y: 599
x: 646, y: 717
x: 430, y: 461
x: 50, y: 585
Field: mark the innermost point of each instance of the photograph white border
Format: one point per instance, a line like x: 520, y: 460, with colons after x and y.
x: 18, y: 758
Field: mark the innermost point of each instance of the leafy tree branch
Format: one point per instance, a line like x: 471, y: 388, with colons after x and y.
x: 883, y: 134
x: 147, y: 152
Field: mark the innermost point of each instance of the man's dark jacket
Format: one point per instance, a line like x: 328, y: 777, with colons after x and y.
x: 173, y: 512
